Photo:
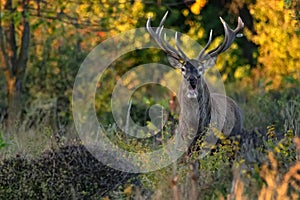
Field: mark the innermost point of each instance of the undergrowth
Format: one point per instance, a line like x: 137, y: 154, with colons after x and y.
x: 42, y: 160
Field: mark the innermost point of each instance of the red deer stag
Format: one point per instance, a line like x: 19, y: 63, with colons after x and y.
x: 199, y: 108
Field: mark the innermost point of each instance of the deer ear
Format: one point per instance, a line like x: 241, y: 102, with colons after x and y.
x: 174, y: 62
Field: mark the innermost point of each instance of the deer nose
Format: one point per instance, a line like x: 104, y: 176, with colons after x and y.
x: 192, y: 81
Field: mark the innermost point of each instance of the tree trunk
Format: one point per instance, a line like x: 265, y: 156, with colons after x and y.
x: 14, y: 101
x: 15, y: 56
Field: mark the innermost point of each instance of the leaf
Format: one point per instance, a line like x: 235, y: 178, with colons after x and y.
x: 289, y: 79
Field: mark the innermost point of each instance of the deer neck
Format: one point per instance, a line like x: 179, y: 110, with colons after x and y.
x: 195, y: 111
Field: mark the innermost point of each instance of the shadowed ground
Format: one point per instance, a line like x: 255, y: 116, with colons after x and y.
x: 66, y: 173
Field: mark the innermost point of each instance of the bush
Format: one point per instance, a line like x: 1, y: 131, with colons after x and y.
x: 65, y: 173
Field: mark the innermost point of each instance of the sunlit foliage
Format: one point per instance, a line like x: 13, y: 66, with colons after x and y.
x: 276, y: 34
x: 64, y: 32
x: 197, y: 6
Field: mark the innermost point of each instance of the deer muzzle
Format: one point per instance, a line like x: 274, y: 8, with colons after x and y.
x: 192, y: 91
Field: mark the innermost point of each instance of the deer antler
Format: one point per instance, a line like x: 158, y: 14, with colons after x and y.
x: 163, y: 44
x: 179, y: 54
x: 228, y: 40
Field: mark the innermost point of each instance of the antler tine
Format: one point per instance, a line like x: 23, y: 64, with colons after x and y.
x: 151, y: 31
x: 240, y: 25
x: 163, y: 44
x: 163, y: 20
x: 179, y: 48
x: 229, y: 37
x: 168, y: 48
x: 171, y: 50
x: 201, y: 53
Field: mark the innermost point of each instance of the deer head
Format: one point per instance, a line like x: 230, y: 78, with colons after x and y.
x: 193, y: 69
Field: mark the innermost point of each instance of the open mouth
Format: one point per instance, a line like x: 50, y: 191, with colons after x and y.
x: 192, y: 93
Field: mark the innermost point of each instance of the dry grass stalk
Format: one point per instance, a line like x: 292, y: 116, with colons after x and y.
x: 157, y: 195
x: 276, y: 188
x: 138, y: 194
x: 174, y: 186
x: 194, y: 174
x: 237, y: 189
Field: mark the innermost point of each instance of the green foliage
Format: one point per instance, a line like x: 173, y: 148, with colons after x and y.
x: 260, y: 108
x: 64, y: 32
x: 3, y: 143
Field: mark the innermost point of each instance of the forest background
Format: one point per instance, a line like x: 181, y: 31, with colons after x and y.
x: 43, y: 43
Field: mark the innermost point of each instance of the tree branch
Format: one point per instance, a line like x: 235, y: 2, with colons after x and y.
x: 7, y: 66
x: 10, y: 38
x: 23, y: 54
x: 81, y: 25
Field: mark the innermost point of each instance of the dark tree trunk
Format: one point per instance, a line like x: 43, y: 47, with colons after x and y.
x: 14, y: 94
x: 15, y: 57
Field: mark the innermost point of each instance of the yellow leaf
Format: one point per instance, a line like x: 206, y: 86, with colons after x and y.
x: 197, y: 6
x: 128, y: 190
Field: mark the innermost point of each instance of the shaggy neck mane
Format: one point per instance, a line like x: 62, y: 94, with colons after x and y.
x: 204, y: 101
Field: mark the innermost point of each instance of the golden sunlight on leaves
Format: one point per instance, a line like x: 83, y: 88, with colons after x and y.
x: 149, y: 14
x: 241, y: 71
x: 278, y: 43
x: 185, y: 12
x: 197, y: 6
